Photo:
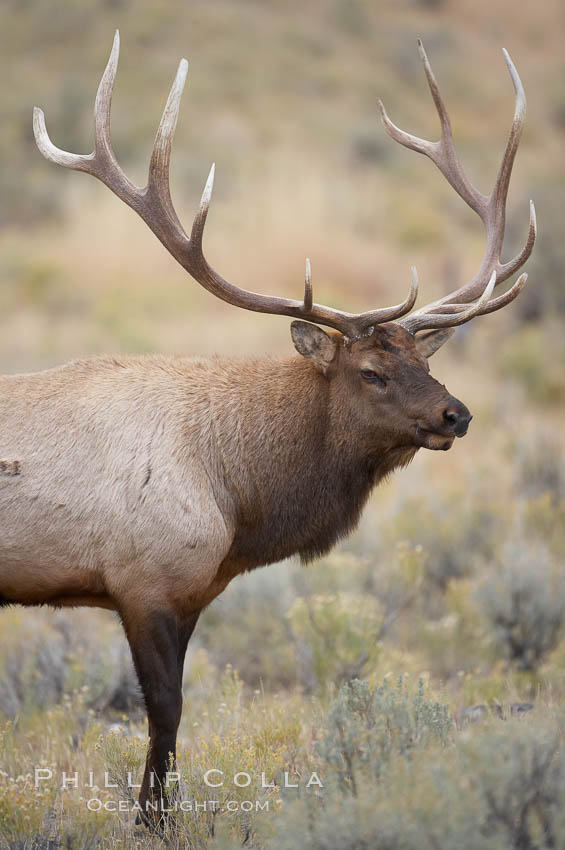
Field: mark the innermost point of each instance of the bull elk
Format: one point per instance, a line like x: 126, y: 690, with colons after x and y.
x: 145, y: 484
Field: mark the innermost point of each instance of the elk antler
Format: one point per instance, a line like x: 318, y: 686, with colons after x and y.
x: 153, y: 203
x: 454, y: 309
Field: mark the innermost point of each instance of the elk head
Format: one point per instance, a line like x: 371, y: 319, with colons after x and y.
x: 382, y: 389
x: 376, y: 363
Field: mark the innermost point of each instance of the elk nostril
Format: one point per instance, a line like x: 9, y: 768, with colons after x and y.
x: 451, y: 416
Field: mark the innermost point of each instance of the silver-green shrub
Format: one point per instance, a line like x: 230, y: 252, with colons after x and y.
x: 502, y: 788
x: 366, y: 727
x: 523, y: 602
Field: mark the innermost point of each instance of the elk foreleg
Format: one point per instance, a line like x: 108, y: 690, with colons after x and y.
x: 158, y: 645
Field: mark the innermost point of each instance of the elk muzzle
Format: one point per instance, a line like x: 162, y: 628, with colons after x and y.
x: 457, y: 417
x: 452, y: 422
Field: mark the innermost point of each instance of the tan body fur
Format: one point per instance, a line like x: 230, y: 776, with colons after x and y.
x: 164, y: 477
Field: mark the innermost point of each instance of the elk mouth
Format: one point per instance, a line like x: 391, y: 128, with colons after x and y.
x: 433, y: 439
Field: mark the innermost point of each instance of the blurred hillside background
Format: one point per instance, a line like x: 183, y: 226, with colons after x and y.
x: 457, y: 571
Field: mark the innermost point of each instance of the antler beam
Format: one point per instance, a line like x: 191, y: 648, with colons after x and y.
x: 453, y: 309
x: 154, y: 205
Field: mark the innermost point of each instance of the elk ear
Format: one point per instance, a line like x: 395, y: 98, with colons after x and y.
x: 428, y: 342
x: 312, y: 342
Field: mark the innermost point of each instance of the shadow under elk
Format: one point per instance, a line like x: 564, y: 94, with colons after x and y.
x: 145, y: 484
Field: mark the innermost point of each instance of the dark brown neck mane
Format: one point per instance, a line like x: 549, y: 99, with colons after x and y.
x: 301, y: 476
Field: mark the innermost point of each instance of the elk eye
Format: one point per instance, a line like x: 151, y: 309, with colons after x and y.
x: 373, y: 377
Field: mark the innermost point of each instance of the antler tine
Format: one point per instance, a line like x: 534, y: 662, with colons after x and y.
x: 51, y: 151
x: 390, y: 314
x: 500, y: 190
x: 493, y: 305
x: 308, y: 295
x: 79, y: 162
x: 420, y: 321
x: 103, y: 103
x: 158, y: 180
x: 505, y: 270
